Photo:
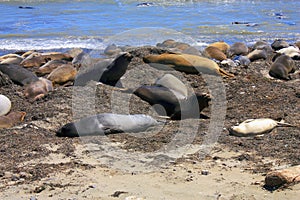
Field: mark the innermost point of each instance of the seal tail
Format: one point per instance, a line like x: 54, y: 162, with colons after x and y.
x: 283, y: 124
x: 224, y: 73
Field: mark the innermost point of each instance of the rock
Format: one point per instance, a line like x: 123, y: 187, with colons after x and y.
x: 279, y: 44
x: 5, y: 105
x: 283, y: 177
x: 4, y: 79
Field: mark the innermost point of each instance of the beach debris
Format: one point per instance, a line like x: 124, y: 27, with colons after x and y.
x: 5, y: 105
x: 253, y: 127
x: 278, y: 178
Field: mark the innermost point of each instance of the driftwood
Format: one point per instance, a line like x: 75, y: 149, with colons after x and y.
x: 283, y: 177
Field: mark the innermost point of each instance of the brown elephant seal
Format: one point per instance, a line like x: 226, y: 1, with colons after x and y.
x: 5, y: 105
x: 282, y: 66
x: 238, y: 48
x: 187, y: 63
x: 279, y: 44
x: 63, y: 74
x: 107, y: 71
x: 107, y: 123
x: 223, y: 46
x: 12, y: 119
x: 257, y: 54
x: 18, y: 74
x: 214, y: 53
x: 49, y: 67
x: 38, y: 89
x: 166, y: 103
x: 252, y: 127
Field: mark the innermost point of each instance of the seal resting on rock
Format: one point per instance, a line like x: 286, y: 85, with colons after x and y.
x: 165, y: 102
x: 18, y: 74
x: 38, y: 89
x: 282, y: 66
x: 5, y: 105
x: 107, y: 72
x: 12, y: 119
x: 188, y: 63
x: 252, y: 127
x: 107, y: 123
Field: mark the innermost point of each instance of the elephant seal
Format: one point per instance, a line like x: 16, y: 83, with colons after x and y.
x: 223, y: 46
x: 38, y: 89
x: 214, y: 53
x: 49, y: 67
x: 185, y: 63
x: 252, y: 127
x: 18, y: 74
x: 63, y: 74
x: 282, y: 66
x: 38, y: 59
x: 107, y: 72
x: 16, y: 59
x: 165, y: 102
x: 107, y: 123
x: 238, y: 48
x: 291, y: 51
x: 257, y: 54
x: 12, y: 119
x: 174, y: 84
x: 5, y: 105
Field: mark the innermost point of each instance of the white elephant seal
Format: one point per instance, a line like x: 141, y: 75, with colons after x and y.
x: 5, y: 105
x: 107, y: 123
x: 252, y: 127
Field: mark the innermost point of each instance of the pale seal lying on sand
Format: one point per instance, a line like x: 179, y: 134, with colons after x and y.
x: 18, y: 74
x: 282, y: 66
x: 291, y: 51
x: 107, y: 72
x: 252, y: 127
x: 185, y: 63
x: 5, y: 105
x: 107, y: 123
x: 11, y: 119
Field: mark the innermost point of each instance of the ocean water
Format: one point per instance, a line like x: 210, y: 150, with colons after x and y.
x: 92, y: 24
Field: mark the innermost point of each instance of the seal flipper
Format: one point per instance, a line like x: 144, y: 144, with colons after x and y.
x: 111, y: 130
x: 224, y: 73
